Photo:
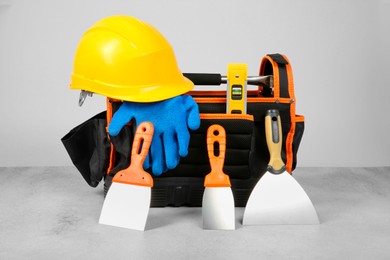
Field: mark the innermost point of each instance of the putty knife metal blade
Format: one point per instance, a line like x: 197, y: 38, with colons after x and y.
x: 126, y: 206
x: 218, y: 209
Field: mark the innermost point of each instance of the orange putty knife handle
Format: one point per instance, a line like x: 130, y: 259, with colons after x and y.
x: 216, y: 178
x: 135, y: 174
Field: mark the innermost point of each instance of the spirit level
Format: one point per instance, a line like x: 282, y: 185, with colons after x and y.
x: 236, y: 88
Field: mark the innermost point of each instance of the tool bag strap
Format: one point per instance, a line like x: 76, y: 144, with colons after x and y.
x: 279, y: 66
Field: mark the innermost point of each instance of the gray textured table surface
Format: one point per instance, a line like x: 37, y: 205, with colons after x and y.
x: 50, y: 212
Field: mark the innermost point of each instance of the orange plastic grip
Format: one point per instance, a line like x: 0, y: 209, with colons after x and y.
x: 135, y: 174
x: 216, y: 178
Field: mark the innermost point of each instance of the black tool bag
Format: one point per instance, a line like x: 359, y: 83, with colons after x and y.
x: 98, y: 156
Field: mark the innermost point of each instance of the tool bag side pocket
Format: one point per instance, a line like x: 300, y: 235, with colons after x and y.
x: 299, y: 129
x: 280, y: 67
x: 88, y: 147
x: 239, y: 130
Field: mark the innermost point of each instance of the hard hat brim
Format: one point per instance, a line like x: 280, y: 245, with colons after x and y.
x: 143, y: 94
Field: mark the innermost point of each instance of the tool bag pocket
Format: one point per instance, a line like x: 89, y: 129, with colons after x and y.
x: 276, y: 95
x: 239, y: 142
x: 89, y: 148
x: 257, y: 161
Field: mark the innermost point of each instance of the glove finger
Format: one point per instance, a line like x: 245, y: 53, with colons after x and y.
x: 157, y: 156
x: 172, y: 157
x: 183, y: 139
x: 193, y: 119
x: 121, y: 117
x: 146, y: 164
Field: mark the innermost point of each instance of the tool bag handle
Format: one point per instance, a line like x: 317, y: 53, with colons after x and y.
x: 276, y: 65
x: 216, y: 79
x: 207, y: 79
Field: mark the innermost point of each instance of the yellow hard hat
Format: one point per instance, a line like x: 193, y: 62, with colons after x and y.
x: 124, y: 58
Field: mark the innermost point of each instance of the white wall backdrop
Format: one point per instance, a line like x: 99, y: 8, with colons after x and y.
x: 339, y: 51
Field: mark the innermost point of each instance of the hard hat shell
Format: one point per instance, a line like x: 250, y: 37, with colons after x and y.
x: 124, y: 58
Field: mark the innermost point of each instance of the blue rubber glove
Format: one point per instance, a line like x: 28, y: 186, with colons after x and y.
x: 171, y: 118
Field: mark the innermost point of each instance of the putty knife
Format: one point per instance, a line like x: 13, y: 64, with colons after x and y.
x: 278, y: 198
x: 218, y: 202
x: 128, y: 200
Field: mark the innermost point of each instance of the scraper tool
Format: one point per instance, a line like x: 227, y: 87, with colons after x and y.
x: 218, y: 202
x: 278, y: 198
x: 128, y: 200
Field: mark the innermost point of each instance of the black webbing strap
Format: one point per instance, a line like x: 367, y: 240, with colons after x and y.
x: 283, y: 78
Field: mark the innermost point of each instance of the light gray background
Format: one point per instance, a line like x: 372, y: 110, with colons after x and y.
x: 339, y: 51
